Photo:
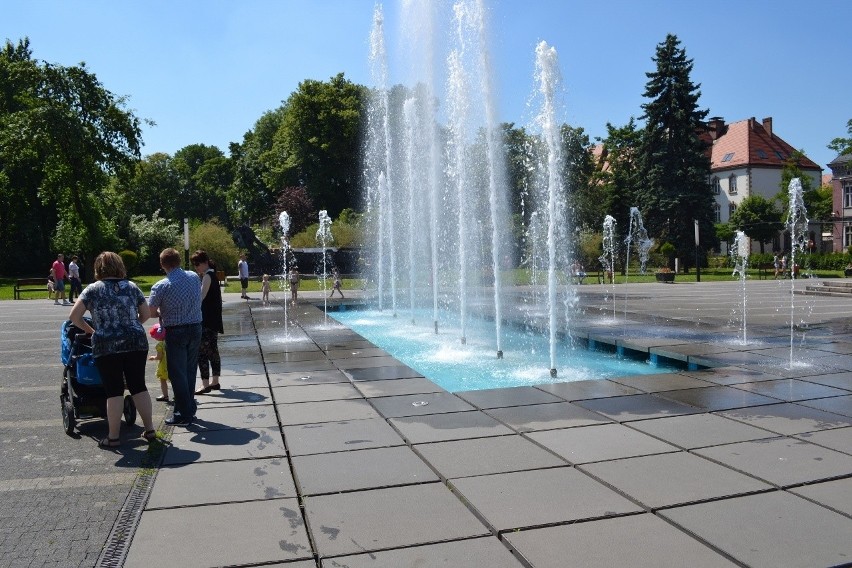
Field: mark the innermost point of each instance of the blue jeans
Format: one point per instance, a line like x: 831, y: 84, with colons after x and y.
x: 182, y: 343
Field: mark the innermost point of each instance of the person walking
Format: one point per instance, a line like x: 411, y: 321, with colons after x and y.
x: 211, y: 322
x: 243, y: 269
x: 335, y: 275
x: 59, y: 273
x: 119, y: 345
x: 74, y: 277
x: 176, y: 300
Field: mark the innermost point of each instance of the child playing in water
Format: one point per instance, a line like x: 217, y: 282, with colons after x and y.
x: 335, y: 274
x: 264, y: 287
x: 158, y: 332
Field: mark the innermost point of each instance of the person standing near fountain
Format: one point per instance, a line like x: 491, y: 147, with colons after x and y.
x: 335, y: 275
x: 294, y: 284
x: 243, y: 269
x: 211, y: 323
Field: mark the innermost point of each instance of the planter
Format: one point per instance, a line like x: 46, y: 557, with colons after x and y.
x: 847, y: 272
x: 665, y: 276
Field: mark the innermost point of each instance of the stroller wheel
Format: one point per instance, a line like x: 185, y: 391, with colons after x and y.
x: 129, y: 410
x: 68, y: 420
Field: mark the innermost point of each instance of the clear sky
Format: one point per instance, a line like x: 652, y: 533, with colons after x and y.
x: 206, y: 70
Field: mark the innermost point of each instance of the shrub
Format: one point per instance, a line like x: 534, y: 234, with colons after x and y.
x: 214, y: 239
x: 131, y: 261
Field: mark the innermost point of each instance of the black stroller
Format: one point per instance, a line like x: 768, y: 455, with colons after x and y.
x: 83, y: 395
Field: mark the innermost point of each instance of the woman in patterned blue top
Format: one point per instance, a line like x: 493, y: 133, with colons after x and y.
x: 119, y: 342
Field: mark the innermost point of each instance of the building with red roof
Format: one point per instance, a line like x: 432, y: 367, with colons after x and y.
x: 841, y: 185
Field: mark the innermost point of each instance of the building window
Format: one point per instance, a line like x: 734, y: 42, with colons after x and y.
x: 728, y: 157
x: 847, y: 235
x: 732, y: 185
x: 717, y: 186
x: 847, y: 195
x: 761, y: 154
x: 779, y: 154
x: 731, y: 208
x: 717, y: 212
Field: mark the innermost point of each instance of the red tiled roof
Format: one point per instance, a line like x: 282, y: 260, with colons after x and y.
x: 746, y: 143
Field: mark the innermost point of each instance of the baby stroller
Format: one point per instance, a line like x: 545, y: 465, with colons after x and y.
x: 83, y: 395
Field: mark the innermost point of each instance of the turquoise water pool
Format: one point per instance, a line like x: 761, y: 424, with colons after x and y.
x: 474, y: 365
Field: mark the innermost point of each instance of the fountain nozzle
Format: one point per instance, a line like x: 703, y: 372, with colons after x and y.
x: 499, y: 354
x: 553, y: 373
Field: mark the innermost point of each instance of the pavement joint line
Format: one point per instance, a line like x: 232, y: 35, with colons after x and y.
x: 67, y: 481
x: 15, y: 424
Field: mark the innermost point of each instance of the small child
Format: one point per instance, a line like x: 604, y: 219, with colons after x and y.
x: 158, y: 332
x: 51, y: 284
x: 336, y: 276
x: 294, y: 285
x: 264, y: 287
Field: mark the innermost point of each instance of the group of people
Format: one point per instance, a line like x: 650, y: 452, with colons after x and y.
x: 188, y: 305
x: 57, y: 276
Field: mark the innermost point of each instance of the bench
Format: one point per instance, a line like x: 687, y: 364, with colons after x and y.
x: 30, y: 285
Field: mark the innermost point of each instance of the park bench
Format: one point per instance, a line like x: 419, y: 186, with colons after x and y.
x: 765, y: 269
x: 30, y: 285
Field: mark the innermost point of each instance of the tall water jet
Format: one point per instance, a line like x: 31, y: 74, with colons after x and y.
x: 607, y: 259
x: 411, y: 129
x: 324, y: 238
x: 547, y: 79
x: 739, y: 257
x: 797, y: 224
x: 638, y: 235
x: 284, y: 223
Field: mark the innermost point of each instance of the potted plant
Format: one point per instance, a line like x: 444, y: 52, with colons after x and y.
x: 664, y: 274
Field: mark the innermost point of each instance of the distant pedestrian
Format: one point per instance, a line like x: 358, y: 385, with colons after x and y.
x: 265, y: 288
x: 777, y: 265
x: 176, y: 300
x: 294, y: 284
x: 784, y: 266
x: 74, y: 278
x: 51, y: 284
x: 243, y: 270
x: 59, y: 273
x: 335, y: 274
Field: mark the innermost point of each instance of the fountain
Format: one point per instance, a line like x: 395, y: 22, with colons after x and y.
x: 324, y: 238
x: 739, y: 257
x: 284, y: 277
x: 797, y: 224
x: 607, y: 259
x: 638, y: 234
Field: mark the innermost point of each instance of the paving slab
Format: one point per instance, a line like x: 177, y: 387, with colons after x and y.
x: 222, y: 482
x: 486, y: 551
x: 637, y: 407
x: 835, y: 495
x: 839, y: 439
x: 307, y: 378
x: 301, y: 366
x: 781, y: 461
x: 340, y: 436
x: 233, y: 397
x: 366, y: 521
x: 369, y: 363
x: 315, y: 393
x: 221, y: 535
x: 769, y: 530
x: 450, y: 426
x: 397, y: 387
x: 419, y: 404
x: 547, y: 416
x: 219, y: 417
x: 244, y: 381
x: 837, y: 380
x: 661, y: 382
x: 634, y: 541
x: 700, y: 430
x: 362, y: 469
x: 788, y: 418
x: 370, y: 351
x: 509, y: 501
x: 792, y: 390
x: 581, y: 390
x: 503, y: 397
x: 599, y: 443
x: 482, y: 456
x: 717, y: 397
x: 666, y: 480
x: 325, y: 411
x: 230, y: 444
x: 836, y: 405
x: 381, y: 373
x: 315, y: 354
x: 730, y: 375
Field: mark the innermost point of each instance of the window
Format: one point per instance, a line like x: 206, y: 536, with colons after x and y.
x: 728, y: 157
x: 717, y: 186
x: 847, y: 195
x: 847, y: 235
x: 779, y: 154
x: 732, y: 185
x: 761, y: 154
x: 731, y: 208
x: 717, y: 212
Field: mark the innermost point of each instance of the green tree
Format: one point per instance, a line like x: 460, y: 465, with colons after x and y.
x: 204, y: 175
x: 675, y: 167
x: 618, y: 172
x: 579, y: 167
x: 257, y: 167
x: 319, y: 141
x: 759, y: 218
x: 843, y: 145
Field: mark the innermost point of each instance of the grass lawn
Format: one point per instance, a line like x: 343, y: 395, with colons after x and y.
x: 509, y: 278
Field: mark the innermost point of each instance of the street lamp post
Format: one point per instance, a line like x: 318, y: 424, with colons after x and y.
x: 697, y: 259
x: 186, y: 243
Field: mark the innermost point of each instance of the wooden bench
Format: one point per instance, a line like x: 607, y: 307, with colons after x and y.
x: 763, y: 270
x: 30, y: 285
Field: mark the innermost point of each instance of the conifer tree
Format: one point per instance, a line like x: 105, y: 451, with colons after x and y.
x: 674, y: 187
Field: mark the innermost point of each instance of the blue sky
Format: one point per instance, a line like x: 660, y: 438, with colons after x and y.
x: 206, y: 70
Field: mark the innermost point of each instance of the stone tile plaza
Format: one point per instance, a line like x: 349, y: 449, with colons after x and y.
x: 320, y: 452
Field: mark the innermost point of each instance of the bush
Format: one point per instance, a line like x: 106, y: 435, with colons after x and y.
x: 131, y: 261
x: 218, y: 243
